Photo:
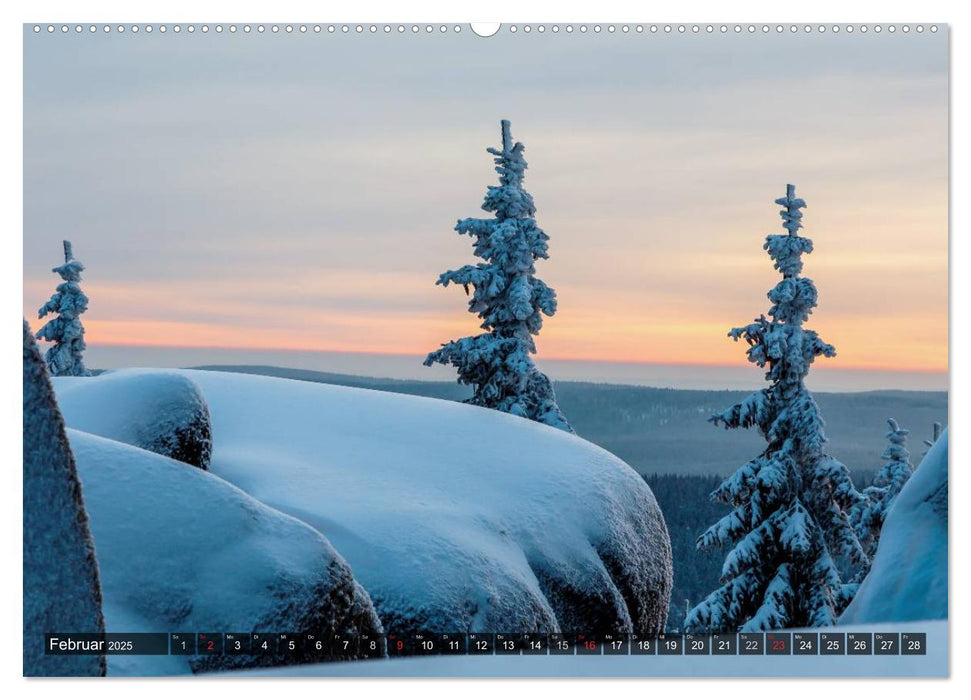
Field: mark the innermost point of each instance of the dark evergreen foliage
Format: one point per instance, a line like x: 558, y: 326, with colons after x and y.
x: 788, y: 532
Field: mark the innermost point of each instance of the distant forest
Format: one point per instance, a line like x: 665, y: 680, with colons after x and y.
x: 688, y: 511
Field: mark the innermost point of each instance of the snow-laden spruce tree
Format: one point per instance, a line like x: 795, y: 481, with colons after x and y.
x: 788, y: 530
x: 508, y: 297
x: 870, y: 512
x: 65, y: 356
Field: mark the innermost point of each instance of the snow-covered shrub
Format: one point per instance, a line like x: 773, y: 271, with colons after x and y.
x: 508, y: 297
x: 869, y: 514
x: 65, y: 357
x: 62, y: 592
x: 181, y: 549
x: 908, y: 577
x: 162, y: 411
x: 788, y: 527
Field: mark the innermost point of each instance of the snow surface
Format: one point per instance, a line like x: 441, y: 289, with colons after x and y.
x: 453, y: 517
x: 182, y: 550
x: 158, y: 410
x: 908, y: 578
x: 934, y: 663
x: 61, y: 588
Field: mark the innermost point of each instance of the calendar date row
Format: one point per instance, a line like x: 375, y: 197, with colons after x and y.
x: 741, y: 644
x: 395, y: 644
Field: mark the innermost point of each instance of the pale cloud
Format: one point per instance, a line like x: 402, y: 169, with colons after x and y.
x: 300, y: 191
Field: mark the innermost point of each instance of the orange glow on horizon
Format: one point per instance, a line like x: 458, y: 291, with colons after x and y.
x: 711, y: 347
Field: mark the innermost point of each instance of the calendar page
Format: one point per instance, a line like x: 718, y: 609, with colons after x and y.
x: 452, y: 350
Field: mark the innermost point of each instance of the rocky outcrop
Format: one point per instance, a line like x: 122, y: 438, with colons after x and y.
x: 162, y: 411
x: 62, y: 592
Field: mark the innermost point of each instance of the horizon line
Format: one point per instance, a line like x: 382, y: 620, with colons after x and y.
x: 539, y: 358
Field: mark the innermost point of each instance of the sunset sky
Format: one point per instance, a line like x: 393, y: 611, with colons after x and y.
x: 299, y: 192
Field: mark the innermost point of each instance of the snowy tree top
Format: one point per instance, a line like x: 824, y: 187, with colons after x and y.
x: 71, y: 270
x: 787, y: 250
x: 509, y: 200
x: 897, y: 436
x: 935, y: 434
x: 791, y: 216
x: 793, y: 298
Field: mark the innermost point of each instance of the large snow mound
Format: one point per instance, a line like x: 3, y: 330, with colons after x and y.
x: 181, y: 549
x: 908, y: 579
x: 453, y: 517
x: 61, y: 588
x: 158, y: 410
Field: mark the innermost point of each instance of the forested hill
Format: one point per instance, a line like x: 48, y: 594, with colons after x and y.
x: 689, y: 511
x: 662, y: 431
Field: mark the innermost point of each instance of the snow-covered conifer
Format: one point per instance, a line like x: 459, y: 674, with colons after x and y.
x: 507, y: 296
x: 65, y: 356
x: 869, y: 513
x: 788, y: 530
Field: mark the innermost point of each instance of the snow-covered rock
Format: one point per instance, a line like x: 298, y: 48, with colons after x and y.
x: 182, y: 550
x: 453, y: 517
x: 158, y: 410
x: 908, y: 578
x: 61, y: 588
